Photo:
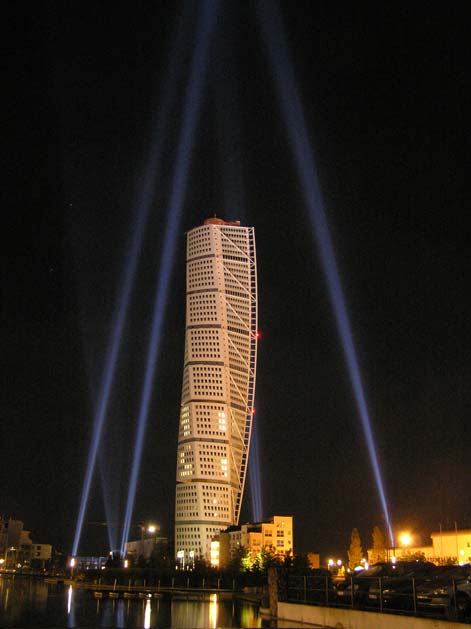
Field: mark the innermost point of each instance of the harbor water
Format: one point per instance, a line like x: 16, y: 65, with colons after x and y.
x: 28, y: 602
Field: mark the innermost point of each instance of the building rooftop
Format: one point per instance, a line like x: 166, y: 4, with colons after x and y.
x: 219, y: 221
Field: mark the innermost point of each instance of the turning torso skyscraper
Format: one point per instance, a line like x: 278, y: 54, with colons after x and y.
x: 218, y: 383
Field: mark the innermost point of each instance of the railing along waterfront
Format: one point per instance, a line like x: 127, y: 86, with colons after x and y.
x: 416, y: 596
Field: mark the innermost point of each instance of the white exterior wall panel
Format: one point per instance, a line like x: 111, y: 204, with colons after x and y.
x: 218, y: 384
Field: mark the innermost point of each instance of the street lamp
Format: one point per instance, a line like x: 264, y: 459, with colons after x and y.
x: 405, y: 539
x: 147, y: 528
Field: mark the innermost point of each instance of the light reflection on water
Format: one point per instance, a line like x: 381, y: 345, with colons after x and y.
x: 32, y: 603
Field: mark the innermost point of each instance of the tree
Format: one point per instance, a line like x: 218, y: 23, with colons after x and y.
x: 355, y: 552
x: 241, y: 560
x: 379, y: 546
x: 265, y: 559
x: 418, y: 555
x: 300, y: 564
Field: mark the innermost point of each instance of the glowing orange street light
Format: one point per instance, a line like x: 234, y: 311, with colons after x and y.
x: 405, y: 539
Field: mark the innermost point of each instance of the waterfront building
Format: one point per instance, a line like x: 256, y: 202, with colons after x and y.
x: 147, y: 547
x: 17, y: 549
x: 218, y: 384
x: 81, y: 563
x: 274, y: 534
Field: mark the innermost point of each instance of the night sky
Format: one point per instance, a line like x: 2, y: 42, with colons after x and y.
x: 386, y: 96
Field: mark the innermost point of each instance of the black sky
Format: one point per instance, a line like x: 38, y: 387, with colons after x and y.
x: 386, y: 94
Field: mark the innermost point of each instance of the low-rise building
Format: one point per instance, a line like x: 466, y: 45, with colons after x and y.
x: 17, y: 549
x: 452, y: 546
x: 145, y: 548
x: 448, y: 547
x: 80, y: 563
x: 274, y: 534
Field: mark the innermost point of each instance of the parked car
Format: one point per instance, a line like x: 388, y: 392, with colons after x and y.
x: 449, y: 591
x: 398, y: 592
x: 356, y: 588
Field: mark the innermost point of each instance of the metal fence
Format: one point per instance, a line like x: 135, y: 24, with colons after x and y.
x: 449, y: 598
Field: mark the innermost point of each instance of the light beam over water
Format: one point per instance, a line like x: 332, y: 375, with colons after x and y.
x: 273, y: 34
x: 148, y: 187
x: 193, y: 96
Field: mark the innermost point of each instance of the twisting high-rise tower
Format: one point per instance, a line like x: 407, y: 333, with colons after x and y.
x: 218, y: 383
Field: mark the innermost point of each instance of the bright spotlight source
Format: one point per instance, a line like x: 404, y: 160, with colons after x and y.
x: 405, y: 539
x: 152, y: 528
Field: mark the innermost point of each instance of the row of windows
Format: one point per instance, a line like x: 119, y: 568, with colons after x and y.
x: 203, y: 299
x: 184, y: 491
x: 207, y: 353
x: 236, y: 265
x: 196, y: 318
x: 215, y: 380
x: 198, y: 308
x: 201, y: 266
x: 217, y: 514
x: 233, y: 281
x: 239, y: 311
x: 214, y: 493
x: 240, y: 376
x: 233, y: 257
x: 207, y: 335
x: 199, y: 280
x: 201, y: 275
x: 200, y: 247
x: 198, y: 304
x: 239, y: 305
x: 235, y: 293
x: 234, y: 234
x: 204, y: 389
x: 242, y: 310
x: 211, y: 446
x: 242, y: 273
x: 205, y: 413
x: 210, y: 407
x: 215, y: 501
x: 205, y: 368
x: 236, y: 364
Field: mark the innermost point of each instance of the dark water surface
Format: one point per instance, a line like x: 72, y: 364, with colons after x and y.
x: 32, y: 603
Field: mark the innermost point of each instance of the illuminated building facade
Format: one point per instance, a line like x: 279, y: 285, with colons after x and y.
x: 17, y: 548
x: 448, y: 547
x: 274, y: 534
x: 218, y: 384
